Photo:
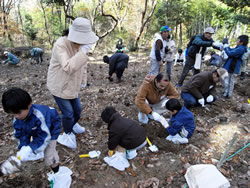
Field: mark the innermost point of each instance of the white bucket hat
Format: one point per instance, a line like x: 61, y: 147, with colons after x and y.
x: 81, y: 32
x: 5, y: 52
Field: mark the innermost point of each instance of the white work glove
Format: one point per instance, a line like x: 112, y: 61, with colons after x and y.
x: 83, y: 86
x: 217, y: 44
x: 163, y: 122
x: 10, y: 166
x: 202, y: 102
x: 24, y: 153
x: 210, y: 98
x: 225, y: 46
x: 156, y: 116
x: 86, y: 47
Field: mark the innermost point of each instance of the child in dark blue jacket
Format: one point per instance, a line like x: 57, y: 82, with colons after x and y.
x: 233, y: 63
x: 181, y: 125
x: 37, y: 127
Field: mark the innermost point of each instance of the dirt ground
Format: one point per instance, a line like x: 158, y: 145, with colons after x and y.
x: 163, y: 169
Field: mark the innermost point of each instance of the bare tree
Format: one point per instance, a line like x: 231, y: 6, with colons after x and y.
x: 146, y: 15
x: 5, y: 8
x: 102, y: 13
x: 46, y: 22
x: 118, y: 7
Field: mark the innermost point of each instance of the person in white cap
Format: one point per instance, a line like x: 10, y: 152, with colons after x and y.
x: 11, y: 59
x: 198, y: 44
x: 200, y: 88
x: 66, y: 71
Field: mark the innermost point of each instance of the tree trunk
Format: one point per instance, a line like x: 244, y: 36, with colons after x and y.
x: 21, y: 21
x: 46, y: 24
x: 144, y: 20
x: 180, y: 35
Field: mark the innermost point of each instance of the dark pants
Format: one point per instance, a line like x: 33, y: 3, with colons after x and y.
x: 71, y: 111
x: 188, y: 64
x: 38, y: 56
x: 119, y: 69
x: 190, y: 100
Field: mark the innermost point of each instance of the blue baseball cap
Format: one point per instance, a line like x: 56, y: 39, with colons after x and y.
x: 165, y: 28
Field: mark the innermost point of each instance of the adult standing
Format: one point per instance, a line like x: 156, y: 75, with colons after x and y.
x: 157, y: 53
x: 198, y: 44
x: 170, y: 51
x: 65, y: 74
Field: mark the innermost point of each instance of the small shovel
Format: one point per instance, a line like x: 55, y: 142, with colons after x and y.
x: 91, y: 154
x: 151, y: 147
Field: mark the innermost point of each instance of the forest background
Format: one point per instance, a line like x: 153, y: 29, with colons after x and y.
x: 41, y: 22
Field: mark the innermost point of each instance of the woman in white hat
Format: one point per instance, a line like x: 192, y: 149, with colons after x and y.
x: 66, y: 70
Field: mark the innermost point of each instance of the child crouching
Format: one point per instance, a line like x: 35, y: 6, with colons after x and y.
x: 181, y: 125
x: 125, y: 135
x: 37, y: 128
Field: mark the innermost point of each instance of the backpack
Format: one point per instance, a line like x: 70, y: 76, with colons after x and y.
x: 191, y: 40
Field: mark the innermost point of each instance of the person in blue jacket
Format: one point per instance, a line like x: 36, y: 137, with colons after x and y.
x: 12, y: 59
x: 181, y: 123
x: 37, y: 55
x: 37, y: 127
x: 117, y: 64
x: 233, y: 63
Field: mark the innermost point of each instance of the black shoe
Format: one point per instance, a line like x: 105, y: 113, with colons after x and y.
x: 242, y: 75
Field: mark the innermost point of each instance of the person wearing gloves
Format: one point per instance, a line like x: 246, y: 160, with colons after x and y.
x: 152, y: 97
x: 11, y: 59
x: 37, y: 55
x: 124, y: 134
x: 200, y: 88
x: 67, y: 66
x: 198, y: 44
x: 170, y: 51
x: 181, y: 125
x: 157, y: 53
x: 37, y: 127
x: 233, y: 63
x: 117, y: 64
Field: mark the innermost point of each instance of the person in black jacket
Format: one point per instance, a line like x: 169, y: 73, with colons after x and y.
x: 117, y: 64
x: 123, y: 132
x: 198, y: 44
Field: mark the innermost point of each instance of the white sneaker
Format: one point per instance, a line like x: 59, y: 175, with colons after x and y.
x: 177, y: 139
x: 143, y: 118
x: 131, y: 154
x: 61, y: 179
x: 68, y: 140
x: 78, y: 129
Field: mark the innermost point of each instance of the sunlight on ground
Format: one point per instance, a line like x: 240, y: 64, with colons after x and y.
x: 222, y: 134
